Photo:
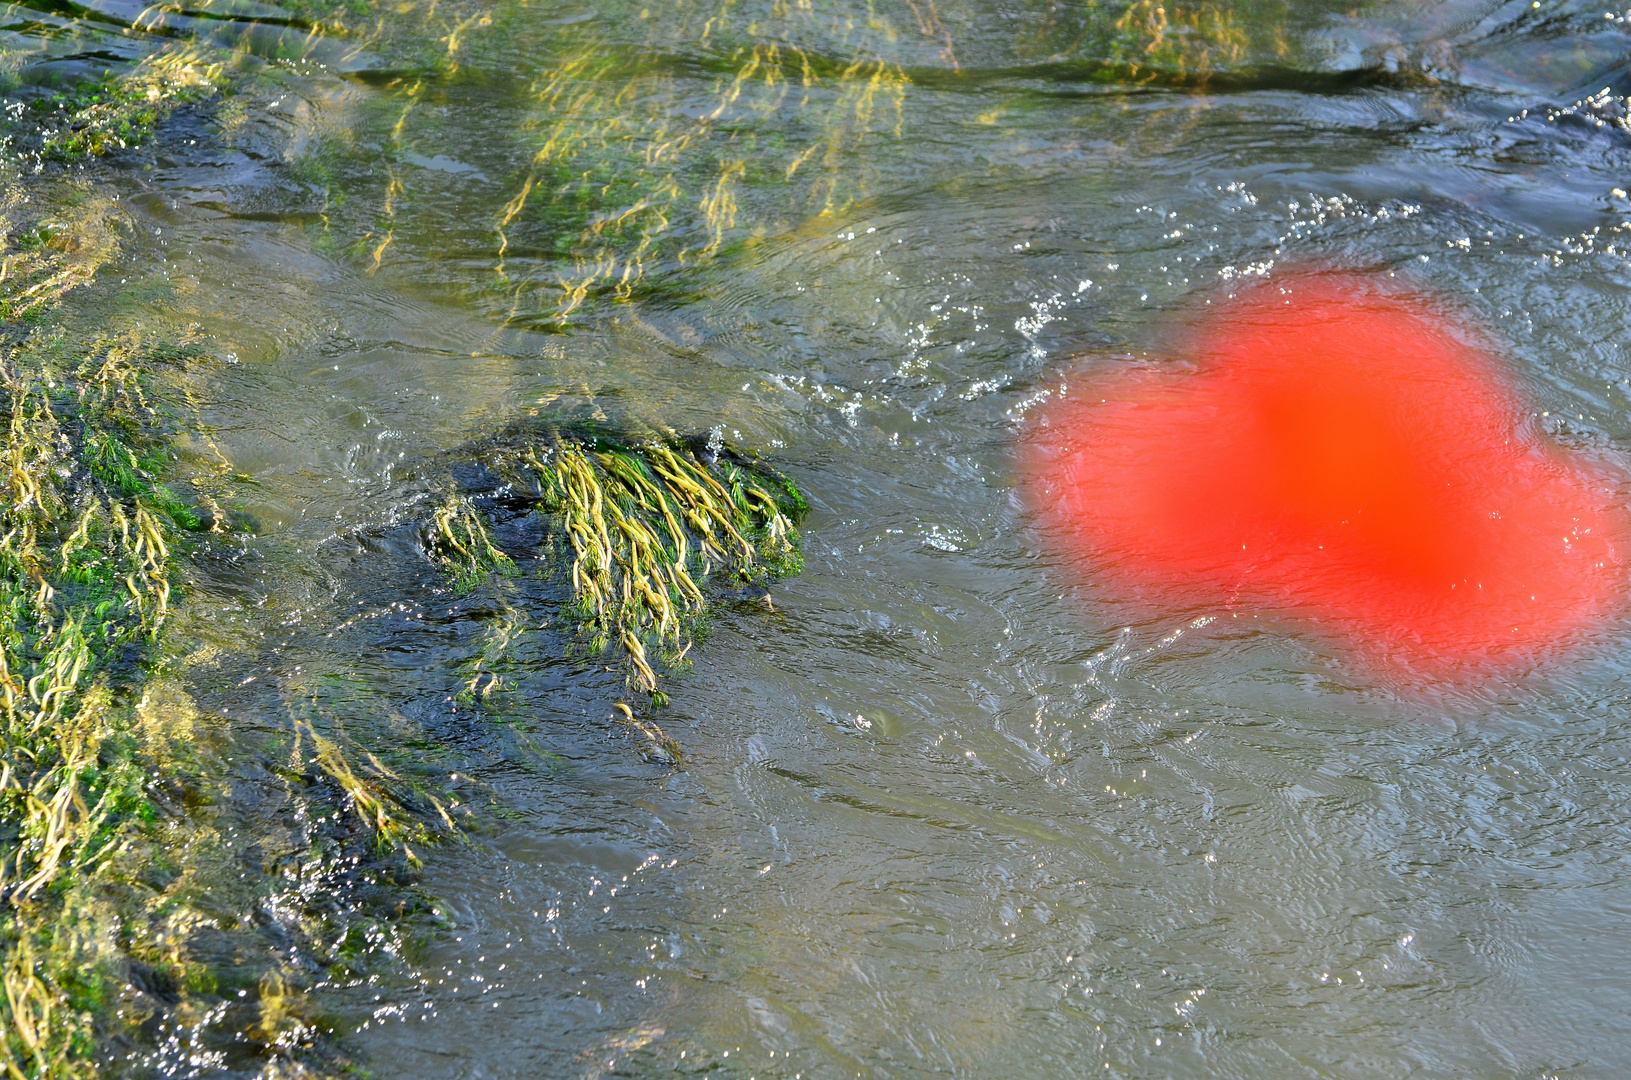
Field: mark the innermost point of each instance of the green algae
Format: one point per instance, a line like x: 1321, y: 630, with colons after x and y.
x: 639, y: 526
x: 114, y: 107
x: 657, y: 141
x: 632, y: 161
x: 120, y: 111
x: 114, y: 869
x: 85, y: 581
x: 459, y: 541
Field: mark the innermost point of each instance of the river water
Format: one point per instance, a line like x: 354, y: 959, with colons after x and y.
x: 943, y: 808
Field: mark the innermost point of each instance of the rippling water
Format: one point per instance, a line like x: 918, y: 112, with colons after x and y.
x: 942, y: 809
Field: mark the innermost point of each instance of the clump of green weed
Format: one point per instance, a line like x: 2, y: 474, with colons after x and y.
x: 460, y: 543
x: 121, y: 110
x: 84, y: 573
x: 92, y: 904
x: 643, y: 524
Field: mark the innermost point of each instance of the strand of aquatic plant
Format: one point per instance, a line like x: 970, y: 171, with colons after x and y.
x: 631, y: 172
x: 1175, y: 42
x: 643, y: 525
x: 460, y: 542
x: 118, y: 112
x: 90, y: 729
x: 44, y: 255
x: 1171, y: 42
x: 645, y: 522
x: 773, y: 117
x: 88, y: 542
x: 637, y: 528
x: 84, y: 571
x: 626, y: 161
x: 633, y: 165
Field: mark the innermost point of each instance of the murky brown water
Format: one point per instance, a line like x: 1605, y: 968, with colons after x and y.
x: 942, y: 811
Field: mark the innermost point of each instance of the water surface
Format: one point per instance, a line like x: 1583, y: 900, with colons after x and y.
x: 942, y: 810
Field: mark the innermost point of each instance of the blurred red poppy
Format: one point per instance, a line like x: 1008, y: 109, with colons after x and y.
x: 1330, y: 450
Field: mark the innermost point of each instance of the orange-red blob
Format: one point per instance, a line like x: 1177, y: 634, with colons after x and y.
x: 1334, y: 453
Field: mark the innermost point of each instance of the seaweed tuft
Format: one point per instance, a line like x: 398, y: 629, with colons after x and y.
x: 120, y: 111
x: 639, y: 526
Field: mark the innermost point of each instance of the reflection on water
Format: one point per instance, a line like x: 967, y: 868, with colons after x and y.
x: 940, y: 810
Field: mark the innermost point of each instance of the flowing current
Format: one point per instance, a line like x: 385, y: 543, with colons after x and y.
x: 942, y: 809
